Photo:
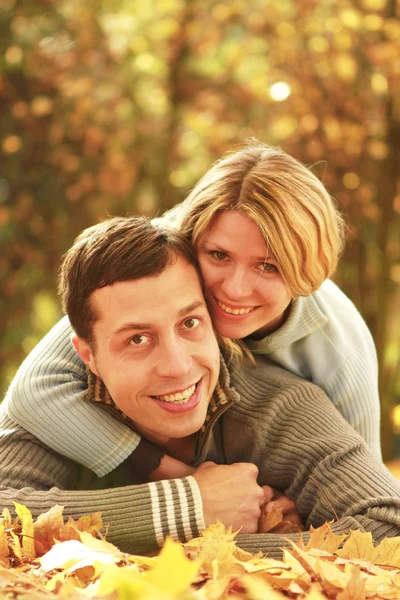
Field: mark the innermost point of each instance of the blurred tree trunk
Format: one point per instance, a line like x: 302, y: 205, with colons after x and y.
x: 387, y: 182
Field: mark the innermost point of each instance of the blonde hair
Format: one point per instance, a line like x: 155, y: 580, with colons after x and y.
x: 301, y: 226
x: 298, y: 219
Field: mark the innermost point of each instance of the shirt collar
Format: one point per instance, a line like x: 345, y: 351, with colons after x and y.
x: 224, y: 395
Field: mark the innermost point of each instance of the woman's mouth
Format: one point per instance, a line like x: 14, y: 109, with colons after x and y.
x: 230, y: 310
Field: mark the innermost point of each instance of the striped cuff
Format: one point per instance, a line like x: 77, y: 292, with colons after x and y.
x: 177, y: 509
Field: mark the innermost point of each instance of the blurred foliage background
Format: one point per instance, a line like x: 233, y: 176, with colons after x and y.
x: 119, y: 106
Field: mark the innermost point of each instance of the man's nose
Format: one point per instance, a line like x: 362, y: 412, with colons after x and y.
x: 175, y: 359
x: 238, y: 283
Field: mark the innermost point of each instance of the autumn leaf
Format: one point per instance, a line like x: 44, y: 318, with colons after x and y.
x: 173, y: 572
x: 388, y: 552
x: 73, y: 555
x: 6, y: 518
x: 28, y: 544
x: 16, y: 547
x: 122, y: 583
x: 47, y: 528
x: 359, y: 545
x: 258, y: 589
x: 216, y: 549
x: 4, y: 549
x: 269, y: 520
x: 90, y: 523
x: 323, y: 538
x: 355, y: 589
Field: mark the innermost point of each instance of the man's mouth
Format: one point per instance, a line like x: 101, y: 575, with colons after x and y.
x: 181, y: 397
x: 235, y: 311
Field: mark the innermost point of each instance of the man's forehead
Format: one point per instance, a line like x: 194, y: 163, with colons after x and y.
x: 175, y: 292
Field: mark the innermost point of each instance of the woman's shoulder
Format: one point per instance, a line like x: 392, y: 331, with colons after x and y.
x: 344, y: 321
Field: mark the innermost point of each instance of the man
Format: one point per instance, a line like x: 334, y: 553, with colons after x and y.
x: 134, y: 298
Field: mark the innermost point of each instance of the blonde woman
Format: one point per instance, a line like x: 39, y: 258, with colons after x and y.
x: 268, y: 237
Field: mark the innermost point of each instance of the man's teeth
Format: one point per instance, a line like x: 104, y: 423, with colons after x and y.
x: 179, y: 398
x: 234, y: 311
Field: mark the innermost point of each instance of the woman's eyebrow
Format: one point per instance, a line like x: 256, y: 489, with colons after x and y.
x: 219, y: 246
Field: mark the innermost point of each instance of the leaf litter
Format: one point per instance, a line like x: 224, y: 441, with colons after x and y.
x: 49, y: 558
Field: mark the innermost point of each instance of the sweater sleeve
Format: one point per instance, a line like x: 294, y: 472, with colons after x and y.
x: 353, y: 390
x: 304, y: 447
x: 139, y: 516
x: 46, y: 398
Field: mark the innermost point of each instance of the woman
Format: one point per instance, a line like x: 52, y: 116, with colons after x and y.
x: 268, y: 237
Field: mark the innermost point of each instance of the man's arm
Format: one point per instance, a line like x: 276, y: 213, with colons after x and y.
x: 140, y: 516
x: 303, y: 446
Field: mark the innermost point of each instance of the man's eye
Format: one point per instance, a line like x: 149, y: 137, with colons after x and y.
x: 219, y: 255
x: 192, y: 323
x: 268, y: 267
x: 139, y: 339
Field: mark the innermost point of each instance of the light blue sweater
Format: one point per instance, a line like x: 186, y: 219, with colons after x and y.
x: 324, y: 340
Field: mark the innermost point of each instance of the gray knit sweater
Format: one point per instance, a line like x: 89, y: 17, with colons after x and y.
x: 285, y: 425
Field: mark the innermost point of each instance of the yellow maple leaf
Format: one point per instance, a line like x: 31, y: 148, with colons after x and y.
x: 100, y: 545
x: 125, y: 581
x: 284, y: 579
x: 331, y: 575
x: 355, y: 589
x: 28, y: 544
x: 172, y: 572
x: 359, y: 545
x: 323, y: 538
x: 217, y: 550
x: 258, y: 589
x: 388, y: 552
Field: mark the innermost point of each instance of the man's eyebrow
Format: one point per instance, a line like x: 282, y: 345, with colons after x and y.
x: 140, y: 326
x: 194, y: 306
x: 130, y: 326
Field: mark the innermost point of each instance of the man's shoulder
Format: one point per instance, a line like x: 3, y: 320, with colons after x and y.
x: 265, y: 379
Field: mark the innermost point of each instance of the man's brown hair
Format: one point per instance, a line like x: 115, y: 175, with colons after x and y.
x: 117, y: 249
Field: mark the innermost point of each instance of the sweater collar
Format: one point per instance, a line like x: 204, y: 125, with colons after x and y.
x: 304, y: 318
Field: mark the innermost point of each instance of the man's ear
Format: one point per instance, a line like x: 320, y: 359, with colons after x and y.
x: 85, y: 352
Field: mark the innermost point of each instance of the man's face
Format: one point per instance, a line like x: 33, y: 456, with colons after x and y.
x: 156, y: 351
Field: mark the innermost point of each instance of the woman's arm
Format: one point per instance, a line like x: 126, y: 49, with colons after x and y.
x: 353, y: 390
x: 46, y: 397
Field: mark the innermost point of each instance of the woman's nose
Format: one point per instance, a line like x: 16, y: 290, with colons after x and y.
x: 239, y: 283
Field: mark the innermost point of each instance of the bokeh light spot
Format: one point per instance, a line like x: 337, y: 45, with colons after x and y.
x: 12, y: 144
x: 351, y: 181
x: 279, y: 91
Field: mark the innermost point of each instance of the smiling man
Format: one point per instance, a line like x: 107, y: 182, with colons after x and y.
x: 159, y: 366
x: 134, y: 298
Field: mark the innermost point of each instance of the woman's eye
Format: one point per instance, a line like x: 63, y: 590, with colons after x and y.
x: 192, y: 323
x: 139, y: 339
x: 219, y: 255
x: 268, y: 267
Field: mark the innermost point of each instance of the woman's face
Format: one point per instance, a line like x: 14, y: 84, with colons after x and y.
x: 245, y: 292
